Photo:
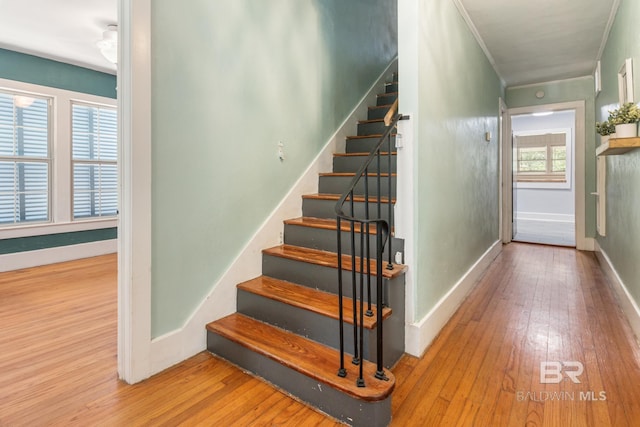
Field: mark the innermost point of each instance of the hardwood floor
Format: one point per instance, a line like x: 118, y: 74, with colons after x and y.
x: 534, y: 304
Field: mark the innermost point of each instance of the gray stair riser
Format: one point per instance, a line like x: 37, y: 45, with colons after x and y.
x: 374, y: 128
x: 310, y: 325
x: 365, y: 145
x: 327, y: 209
x: 327, y: 240
x: 386, y: 99
x: 338, y: 184
x: 329, y: 400
x: 377, y: 113
x: 318, y: 277
x: 353, y: 163
x: 391, y: 87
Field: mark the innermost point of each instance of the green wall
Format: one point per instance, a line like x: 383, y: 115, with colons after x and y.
x: 45, y: 72
x: 580, y: 89
x: 230, y: 80
x: 452, y: 92
x: 622, y: 242
x: 35, y: 70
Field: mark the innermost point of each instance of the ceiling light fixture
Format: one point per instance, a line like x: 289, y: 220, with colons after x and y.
x: 109, y: 44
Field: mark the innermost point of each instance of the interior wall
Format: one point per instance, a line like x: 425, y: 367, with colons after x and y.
x: 456, y: 170
x: 623, y: 171
x: 45, y: 72
x: 553, y: 200
x: 230, y: 81
x: 580, y: 89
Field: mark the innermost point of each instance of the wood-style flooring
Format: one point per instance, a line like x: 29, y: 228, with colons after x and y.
x: 534, y: 304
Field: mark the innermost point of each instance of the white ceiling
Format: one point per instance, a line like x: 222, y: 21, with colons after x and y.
x: 528, y: 41
x: 533, y: 41
x: 62, y: 30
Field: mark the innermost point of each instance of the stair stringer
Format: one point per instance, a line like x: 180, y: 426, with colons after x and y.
x: 180, y: 344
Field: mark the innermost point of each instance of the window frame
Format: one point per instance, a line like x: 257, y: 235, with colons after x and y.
x: 88, y: 161
x: 60, y: 173
x: 41, y: 160
x: 549, y: 181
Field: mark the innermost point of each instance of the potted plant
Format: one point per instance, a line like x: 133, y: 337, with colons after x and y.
x: 625, y: 120
x: 606, y: 130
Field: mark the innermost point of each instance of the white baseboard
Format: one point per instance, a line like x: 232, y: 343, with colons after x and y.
x: 628, y: 304
x: 180, y: 344
x: 419, y: 335
x: 28, y: 259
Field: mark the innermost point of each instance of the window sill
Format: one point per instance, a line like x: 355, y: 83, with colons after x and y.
x: 29, y: 230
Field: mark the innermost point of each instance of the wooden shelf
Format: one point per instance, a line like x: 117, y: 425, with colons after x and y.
x: 617, y: 146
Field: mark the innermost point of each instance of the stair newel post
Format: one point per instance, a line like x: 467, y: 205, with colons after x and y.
x: 356, y: 354
x: 360, y: 323
x: 342, y: 372
x: 390, y: 263
x: 379, y: 337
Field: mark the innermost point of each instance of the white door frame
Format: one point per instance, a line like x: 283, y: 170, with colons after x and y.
x: 582, y: 242
x: 506, y: 175
x: 134, y: 227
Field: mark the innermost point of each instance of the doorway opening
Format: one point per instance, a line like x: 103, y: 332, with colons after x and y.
x: 544, y: 187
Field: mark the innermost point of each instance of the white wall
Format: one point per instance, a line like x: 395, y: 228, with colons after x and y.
x: 548, y: 203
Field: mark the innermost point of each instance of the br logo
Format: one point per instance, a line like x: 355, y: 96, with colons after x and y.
x: 554, y: 372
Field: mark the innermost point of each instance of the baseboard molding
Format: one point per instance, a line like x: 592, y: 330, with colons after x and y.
x: 180, y: 344
x: 419, y: 335
x: 28, y: 259
x: 628, y: 304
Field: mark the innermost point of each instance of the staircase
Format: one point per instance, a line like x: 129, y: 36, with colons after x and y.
x: 286, y: 329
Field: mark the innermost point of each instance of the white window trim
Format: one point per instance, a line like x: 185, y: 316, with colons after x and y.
x: 61, y: 180
x: 570, y: 160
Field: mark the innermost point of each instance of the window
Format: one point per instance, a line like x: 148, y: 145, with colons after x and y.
x: 95, y: 155
x: 25, y: 162
x: 541, y: 158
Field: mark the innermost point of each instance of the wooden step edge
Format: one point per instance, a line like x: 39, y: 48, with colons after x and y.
x: 329, y: 259
x: 305, y: 298
x: 336, y: 197
x: 363, y: 154
x: 352, y: 174
x: 376, y: 136
x: 307, y: 357
x: 368, y: 121
x: 325, y: 224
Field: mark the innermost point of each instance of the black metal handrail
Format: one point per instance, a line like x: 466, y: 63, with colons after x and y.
x: 361, y: 265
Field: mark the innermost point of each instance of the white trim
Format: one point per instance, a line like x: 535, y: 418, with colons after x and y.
x: 478, y: 37
x: 629, y: 305
x: 178, y: 345
x: 20, y: 260
x: 551, y: 217
x: 582, y: 242
x: 67, y: 227
x: 134, y: 151
x: 503, y: 117
x: 506, y: 175
x: 420, y: 334
x: 607, y: 30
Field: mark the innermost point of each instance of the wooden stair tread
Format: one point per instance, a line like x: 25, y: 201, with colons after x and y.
x: 364, y: 122
x: 384, y: 153
x: 323, y: 303
x: 302, y: 355
x: 336, y: 197
x: 328, y: 259
x: 375, y: 135
x: 325, y: 224
x: 348, y: 174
